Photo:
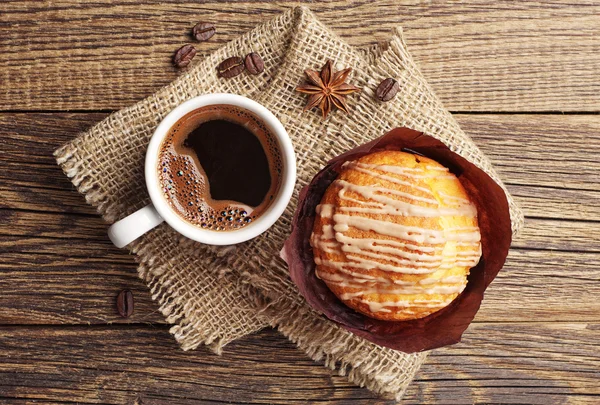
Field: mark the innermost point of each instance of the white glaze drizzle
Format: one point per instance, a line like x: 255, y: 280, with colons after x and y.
x: 362, y: 167
x: 375, y: 306
x: 413, y: 250
x: 411, y: 172
x: 451, y: 199
x: 366, y: 287
x: 373, y: 190
x: 445, y: 290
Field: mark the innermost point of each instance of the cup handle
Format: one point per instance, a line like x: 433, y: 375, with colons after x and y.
x: 128, y: 229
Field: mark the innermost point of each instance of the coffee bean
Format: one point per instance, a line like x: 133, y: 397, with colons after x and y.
x: 387, y: 89
x: 231, y: 67
x: 254, y: 63
x: 125, y: 303
x: 203, y: 31
x: 184, y: 56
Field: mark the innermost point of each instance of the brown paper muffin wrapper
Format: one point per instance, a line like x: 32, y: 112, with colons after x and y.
x: 214, y: 295
x: 444, y: 327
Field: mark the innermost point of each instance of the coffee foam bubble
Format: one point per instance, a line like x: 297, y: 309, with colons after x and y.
x: 185, y: 184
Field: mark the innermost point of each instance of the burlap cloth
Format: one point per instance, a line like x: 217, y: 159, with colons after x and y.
x: 213, y: 295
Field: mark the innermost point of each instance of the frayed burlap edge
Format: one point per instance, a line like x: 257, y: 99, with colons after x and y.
x: 247, y: 288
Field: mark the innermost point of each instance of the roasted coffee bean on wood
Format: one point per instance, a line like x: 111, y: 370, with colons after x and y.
x: 203, y: 31
x: 184, y: 56
x: 254, y: 63
x: 125, y: 303
x: 387, y: 89
x: 231, y: 67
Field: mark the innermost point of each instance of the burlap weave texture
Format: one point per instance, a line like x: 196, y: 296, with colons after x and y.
x: 214, y: 295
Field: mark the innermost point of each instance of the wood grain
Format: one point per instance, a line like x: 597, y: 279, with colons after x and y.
x: 553, y: 151
x: 550, y: 162
x: 63, y: 269
x: 509, y: 56
x: 514, y: 363
x: 535, y: 339
x: 60, y: 267
x: 496, y: 363
x: 49, y: 282
x: 574, y: 236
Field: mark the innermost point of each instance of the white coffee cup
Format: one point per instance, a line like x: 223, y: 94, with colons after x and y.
x: 135, y: 225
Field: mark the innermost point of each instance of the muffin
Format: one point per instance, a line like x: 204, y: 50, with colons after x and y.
x: 395, y: 236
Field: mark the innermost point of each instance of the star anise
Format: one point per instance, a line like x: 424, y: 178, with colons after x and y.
x: 327, y: 89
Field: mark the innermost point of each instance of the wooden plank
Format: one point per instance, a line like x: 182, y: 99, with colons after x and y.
x: 28, y: 141
x: 118, y: 365
x: 539, y: 234
x: 555, y: 151
x: 556, y: 201
x: 57, y: 243
x: 73, y: 273
x: 514, y: 363
x: 550, y: 163
x: 51, y: 288
x: 544, y: 286
x: 496, y: 363
x: 549, y: 179
x: 574, y: 236
x: 72, y: 277
x: 529, y: 56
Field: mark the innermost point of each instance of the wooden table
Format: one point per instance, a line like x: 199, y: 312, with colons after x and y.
x: 523, y: 78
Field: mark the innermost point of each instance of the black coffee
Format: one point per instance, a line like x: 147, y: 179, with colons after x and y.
x: 220, y: 167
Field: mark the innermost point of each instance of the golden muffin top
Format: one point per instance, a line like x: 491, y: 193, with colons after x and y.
x: 395, y: 236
